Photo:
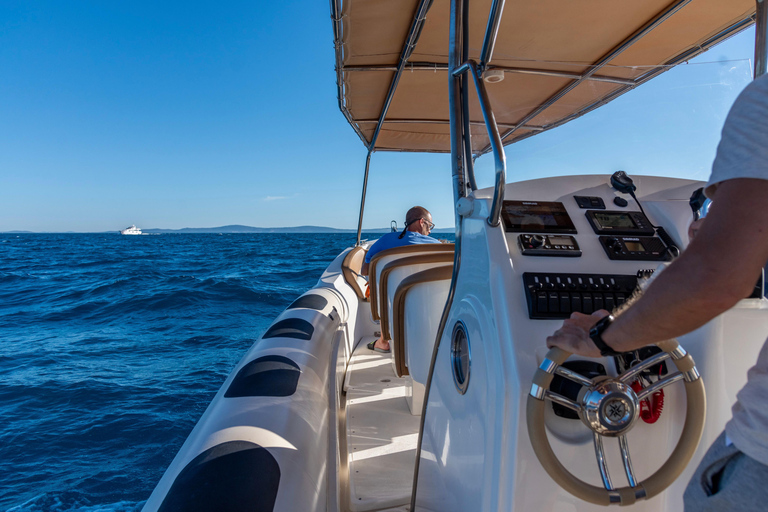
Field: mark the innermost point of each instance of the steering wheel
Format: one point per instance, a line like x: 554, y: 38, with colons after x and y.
x: 610, y: 408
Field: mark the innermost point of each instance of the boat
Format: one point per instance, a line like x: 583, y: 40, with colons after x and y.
x: 132, y: 230
x: 470, y: 411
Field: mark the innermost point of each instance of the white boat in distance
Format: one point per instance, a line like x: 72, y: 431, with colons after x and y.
x: 470, y: 411
x: 133, y: 230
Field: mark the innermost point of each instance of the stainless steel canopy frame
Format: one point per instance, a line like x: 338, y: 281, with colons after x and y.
x: 457, y: 54
x: 761, y: 38
x: 493, y: 132
x: 518, y: 130
x: 410, y: 43
x: 599, y: 64
x: 629, y: 83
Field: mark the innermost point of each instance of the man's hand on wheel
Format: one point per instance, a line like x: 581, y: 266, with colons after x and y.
x: 573, y: 336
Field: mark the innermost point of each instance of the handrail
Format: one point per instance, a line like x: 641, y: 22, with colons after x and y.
x: 469, y: 162
x: 497, y: 147
x: 761, y: 37
x: 457, y: 29
x: 410, y: 44
x: 362, y: 199
x: 336, y: 17
x: 491, y: 31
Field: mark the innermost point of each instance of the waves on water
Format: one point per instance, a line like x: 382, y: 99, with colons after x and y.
x: 111, y: 348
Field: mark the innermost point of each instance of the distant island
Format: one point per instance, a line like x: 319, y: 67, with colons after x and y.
x: 237, y: 228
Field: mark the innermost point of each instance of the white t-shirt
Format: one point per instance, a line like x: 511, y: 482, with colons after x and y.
x: 743, y: 153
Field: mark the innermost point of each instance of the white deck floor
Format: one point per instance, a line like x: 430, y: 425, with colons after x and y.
x: 381, y: 434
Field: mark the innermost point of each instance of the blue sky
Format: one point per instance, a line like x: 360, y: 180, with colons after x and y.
x: 184, y: 114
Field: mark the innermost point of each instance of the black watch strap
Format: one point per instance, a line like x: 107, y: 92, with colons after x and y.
x: 596, y: 333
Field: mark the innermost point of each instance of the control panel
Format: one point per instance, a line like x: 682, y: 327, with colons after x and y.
x: 637, y: 248
x: 548, y: 245
x: 590, y: 252
x: 555, y: 295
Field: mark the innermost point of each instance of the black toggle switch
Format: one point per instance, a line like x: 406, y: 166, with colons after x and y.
x: 576, y: 302
x: 597, y: 300
x: 554, y: 302
x: 541, y: 302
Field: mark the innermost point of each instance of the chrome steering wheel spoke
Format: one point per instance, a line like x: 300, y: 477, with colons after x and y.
x: 601, y: 464
x: 564, y: 401
x: 574, y: 376
x: 661, y: 384
x: 625, y: 458
x: 632, y: 373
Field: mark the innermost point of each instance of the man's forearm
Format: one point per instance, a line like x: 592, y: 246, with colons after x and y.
x: 670, y: 307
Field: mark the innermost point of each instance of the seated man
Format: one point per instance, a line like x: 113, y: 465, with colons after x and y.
x: 418, y: 225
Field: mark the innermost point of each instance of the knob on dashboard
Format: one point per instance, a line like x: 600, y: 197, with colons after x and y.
x: 537, y: 240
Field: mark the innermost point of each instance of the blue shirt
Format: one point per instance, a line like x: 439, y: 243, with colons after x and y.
x: 392, y: 239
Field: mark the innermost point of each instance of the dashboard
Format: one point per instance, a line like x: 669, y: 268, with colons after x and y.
x: 584, y: 249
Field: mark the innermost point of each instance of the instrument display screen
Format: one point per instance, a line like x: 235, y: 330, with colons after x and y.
x: 560, y: 240
x: 536, y: 217
x: 634, y: 246
x: 614, y: 220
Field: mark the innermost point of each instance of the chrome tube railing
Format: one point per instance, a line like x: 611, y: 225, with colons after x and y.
x: 433, y: 67
x: 605, y: 59
x: 362, y: 200
x: 410, y: 43
x: 761, y: 37
x: 497, y: 147
x: 469, y: 162
x: 458, y: 33
x: 337, y: 35
x: 491, y: 31
x: 649, y: 75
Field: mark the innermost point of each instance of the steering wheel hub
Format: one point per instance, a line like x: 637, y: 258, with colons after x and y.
x: 610, y: 408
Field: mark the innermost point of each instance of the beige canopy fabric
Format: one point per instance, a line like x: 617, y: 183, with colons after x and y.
x: 563, y: 38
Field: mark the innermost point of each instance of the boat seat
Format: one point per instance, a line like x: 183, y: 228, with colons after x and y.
x: 394, y: 272
x: 350, y: 268
x: 416, y: 312
x: 384, y: 257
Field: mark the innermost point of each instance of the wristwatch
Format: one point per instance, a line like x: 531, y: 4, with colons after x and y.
x: 596, y: 334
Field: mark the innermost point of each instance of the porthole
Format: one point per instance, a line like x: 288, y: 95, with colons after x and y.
x: 461, y: 358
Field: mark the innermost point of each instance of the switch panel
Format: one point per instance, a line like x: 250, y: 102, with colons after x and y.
x: 552, y: 296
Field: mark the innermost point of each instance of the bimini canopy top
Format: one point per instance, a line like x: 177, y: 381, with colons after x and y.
x: 558, y: 60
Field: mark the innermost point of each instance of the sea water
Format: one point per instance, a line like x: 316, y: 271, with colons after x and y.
x: 111, y: 348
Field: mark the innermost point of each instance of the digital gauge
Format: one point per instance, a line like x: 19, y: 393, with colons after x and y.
x: 607, y: 222
x: 536, y: 217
